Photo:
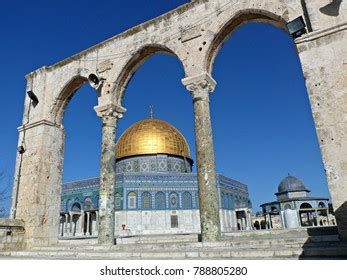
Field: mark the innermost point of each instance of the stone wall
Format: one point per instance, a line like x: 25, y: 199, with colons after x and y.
x: 11, y: 234
x: 156, y: 222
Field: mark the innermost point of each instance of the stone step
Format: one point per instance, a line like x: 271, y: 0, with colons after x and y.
x: 296, y: 243
x: 283, y: 233
x: 160, y: 238
x: 78, y: 241
x: 206, y: 253
x: 241, y: 243
x: 155, y: 254
x: 314, y: 234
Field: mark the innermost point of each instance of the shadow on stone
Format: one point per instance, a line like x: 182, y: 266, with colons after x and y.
x: 331, y: 9
x: 328, y: 242
x: 199, y: 237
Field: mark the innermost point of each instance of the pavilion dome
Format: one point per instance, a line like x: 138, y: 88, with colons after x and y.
x: 152, y: 136
x: 290, y: 184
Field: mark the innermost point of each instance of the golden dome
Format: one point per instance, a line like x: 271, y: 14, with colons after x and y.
x: 152, y: 136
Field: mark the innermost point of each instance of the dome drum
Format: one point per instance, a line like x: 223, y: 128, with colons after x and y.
x: 154, y: 163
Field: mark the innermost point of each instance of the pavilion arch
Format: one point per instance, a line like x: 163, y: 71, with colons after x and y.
x: 240, y: 18
x: 305, y: 205
x: 321, y: 205
x: 134, y: 63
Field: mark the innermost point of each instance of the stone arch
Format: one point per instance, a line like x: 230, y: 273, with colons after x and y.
x: 65, y: 95
x: 230, y: 26
x: 68, y: 205
x: 321, y: 205
x: 305, y: 205
x: 76, y: 207
x: 88, y: 204
x: 134, y: 63
x: 256, y: 225
x: 287, y: 206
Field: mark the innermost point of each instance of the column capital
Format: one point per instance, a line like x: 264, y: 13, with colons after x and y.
x: 110, y: 111
x: 200, y: 85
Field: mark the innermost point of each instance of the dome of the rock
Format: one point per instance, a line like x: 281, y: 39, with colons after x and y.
x: 152, y: 136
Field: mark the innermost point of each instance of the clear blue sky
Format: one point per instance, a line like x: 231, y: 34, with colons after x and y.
x: 262, y: 123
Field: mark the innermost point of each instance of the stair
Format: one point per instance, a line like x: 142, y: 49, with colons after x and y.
x: 252, y: 245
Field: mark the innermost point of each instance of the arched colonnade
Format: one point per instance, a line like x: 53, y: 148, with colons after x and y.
x: 194, y: 33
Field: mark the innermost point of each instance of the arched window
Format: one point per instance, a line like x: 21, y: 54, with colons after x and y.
x: 287, y: 206
x: 146, y: 200
x: 76, y: 207
x: 132, y: 200
x: 88, y: 204
x: 173, y: 200
x: 117, y: 201
x: 305, y: 205
x: 68, y: 205
x: 187, y: 200
x: 256, y: 225
x: 160, y: 200
x: 321, y: 205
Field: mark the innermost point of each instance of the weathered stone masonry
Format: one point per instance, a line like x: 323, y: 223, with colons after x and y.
x: 194, y: 33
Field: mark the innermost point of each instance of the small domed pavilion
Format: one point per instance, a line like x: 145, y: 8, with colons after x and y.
x: 295, y: 207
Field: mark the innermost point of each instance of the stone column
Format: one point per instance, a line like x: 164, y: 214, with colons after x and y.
x: 233, y: 220
x: 250, y: 224
x: 97, y: 222
x: 270, y: 225
x: 243, y: 223
x: 109, y: 115
x: 82, y: 223
x: 282, y: 220
x: 299, y: 217
x: 61, y: 226
x: 66, y: 224
x: 37, y: 184
x: 88, y: 224
x: 71, y: 224
x: 327, y: 90
x: 200, y: 87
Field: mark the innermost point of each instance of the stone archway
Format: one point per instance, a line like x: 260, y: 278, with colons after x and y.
x: 194, y: 33
x: 226, y: 30
x: 331, y: 127
x: 130, y: 67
